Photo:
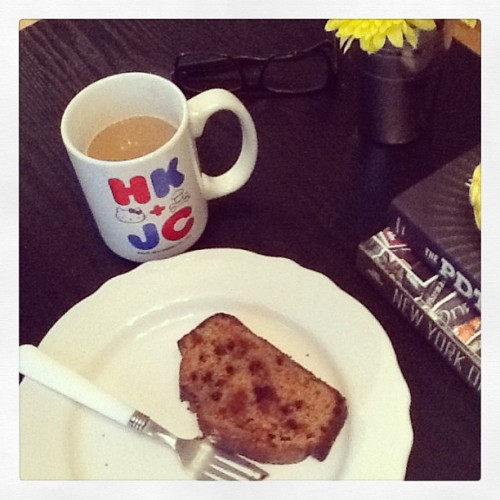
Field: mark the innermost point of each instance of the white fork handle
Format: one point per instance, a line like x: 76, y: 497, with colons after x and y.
x: 40, y: 367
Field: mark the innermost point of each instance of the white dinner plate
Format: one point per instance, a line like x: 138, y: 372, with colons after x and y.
x: 124, y: 338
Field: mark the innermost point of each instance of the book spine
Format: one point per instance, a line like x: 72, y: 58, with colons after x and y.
x: 436, y: 258
x: 372, y: 260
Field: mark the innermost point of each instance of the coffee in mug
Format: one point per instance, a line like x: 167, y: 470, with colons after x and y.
x: 131, y: 140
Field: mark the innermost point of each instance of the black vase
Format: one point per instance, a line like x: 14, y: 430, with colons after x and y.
x: 397, y: 87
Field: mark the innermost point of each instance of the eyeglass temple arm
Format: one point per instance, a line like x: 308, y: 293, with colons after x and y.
x: 201, y: 67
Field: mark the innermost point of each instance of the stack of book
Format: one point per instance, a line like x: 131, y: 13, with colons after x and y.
x: 427, y: 262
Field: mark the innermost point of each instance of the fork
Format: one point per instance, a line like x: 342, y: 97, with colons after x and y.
x: 200, y: 456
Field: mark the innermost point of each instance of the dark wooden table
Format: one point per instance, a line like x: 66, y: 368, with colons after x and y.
x: 317, y: 191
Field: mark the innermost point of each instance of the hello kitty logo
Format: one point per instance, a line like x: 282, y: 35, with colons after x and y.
x: 130, y: 215
x: 161, y: 183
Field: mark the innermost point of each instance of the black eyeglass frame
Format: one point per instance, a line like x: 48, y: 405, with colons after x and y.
x: 326, y: 48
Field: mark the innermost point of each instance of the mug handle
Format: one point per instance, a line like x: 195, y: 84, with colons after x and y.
x: 200, y: 108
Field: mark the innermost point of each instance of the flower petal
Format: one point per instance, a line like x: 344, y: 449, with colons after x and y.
x: 348, y: 43
x: 422, y: 24
x: 411, y: 36
x: 378, y: 41
x: 395, y: 37
x: 471, y: 23
x: 332, y: 25
x: 365, y: 45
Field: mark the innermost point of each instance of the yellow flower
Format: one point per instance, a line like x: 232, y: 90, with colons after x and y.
x: 373, y: 33
x: 471, y: 23
x: 475, y: 195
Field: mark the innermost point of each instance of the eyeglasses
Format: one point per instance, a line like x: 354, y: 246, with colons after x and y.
x: 297, y: 72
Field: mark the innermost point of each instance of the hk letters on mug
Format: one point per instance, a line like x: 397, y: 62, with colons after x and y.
x: 131, y: 140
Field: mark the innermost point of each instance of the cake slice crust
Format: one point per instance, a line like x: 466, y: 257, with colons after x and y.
x: 252, y: 398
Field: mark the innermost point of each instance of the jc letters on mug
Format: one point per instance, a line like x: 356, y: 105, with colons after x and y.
x: 131, y: 140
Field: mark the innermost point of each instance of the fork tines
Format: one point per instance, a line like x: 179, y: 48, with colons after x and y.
x: 226, y: 467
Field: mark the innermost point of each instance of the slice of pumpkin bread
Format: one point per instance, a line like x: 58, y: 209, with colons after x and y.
x: 253, y: 399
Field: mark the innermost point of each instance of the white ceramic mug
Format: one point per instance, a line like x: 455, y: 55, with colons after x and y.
x: 154, y: 206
